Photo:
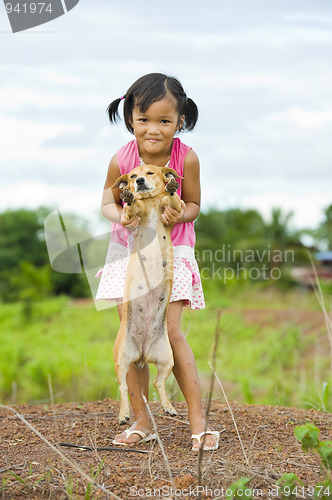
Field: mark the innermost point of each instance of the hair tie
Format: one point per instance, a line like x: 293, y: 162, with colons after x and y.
x: 122, y: 97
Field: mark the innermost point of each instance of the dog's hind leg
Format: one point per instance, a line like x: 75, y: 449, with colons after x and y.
x: 161, y: 355
x: 121, y: 374
x: 164, y: 369
x: 121, y: 366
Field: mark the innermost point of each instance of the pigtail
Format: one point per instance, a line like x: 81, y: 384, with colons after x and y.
x: 113, y: 110
x: 190, y: 113
x: 149, y: 89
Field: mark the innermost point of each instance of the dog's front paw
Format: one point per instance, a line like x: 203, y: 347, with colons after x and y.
x: 172, y: 186
x: 124, y: 414
x: 124, y: 420
x: 127, y: 196
x: 169, y: 410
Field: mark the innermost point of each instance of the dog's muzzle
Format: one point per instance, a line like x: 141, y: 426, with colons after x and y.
x: 140, y: 184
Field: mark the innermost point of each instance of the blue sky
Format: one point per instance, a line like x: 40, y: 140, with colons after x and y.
x: 259, y: 71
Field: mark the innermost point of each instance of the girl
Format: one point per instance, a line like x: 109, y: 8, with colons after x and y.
x: 155, y: 109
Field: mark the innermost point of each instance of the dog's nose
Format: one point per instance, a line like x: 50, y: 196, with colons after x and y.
x: 140, y: 181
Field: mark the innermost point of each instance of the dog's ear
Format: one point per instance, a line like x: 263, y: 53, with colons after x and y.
x: 121, y: 182
x: 169, y: 174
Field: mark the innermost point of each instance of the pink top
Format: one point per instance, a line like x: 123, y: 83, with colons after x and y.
x: 128, y: 158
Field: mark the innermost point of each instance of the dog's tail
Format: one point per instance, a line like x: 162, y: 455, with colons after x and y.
x: 140, y: 363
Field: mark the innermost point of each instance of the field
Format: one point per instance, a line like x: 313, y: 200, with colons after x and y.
x: 30, y: 469
x: 273, y: 349
x: 273, y: 360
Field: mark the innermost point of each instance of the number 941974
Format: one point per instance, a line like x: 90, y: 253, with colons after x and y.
x: 29, y: 8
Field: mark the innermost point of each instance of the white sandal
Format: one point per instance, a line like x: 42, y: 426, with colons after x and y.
x: 199, y: 439
x: 144, y: 437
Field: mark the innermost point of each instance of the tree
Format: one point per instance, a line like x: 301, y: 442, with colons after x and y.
x: 23, y: 254
x: 21, y: 238
x: 322, y: 236
x: 325, y: 229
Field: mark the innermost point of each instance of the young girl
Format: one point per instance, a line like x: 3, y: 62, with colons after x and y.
x: 155, y: 109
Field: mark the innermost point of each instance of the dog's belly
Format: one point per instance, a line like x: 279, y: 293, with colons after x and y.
x: 151, y: 262
x: 146, y: 322
x: 147, y: 291
x: 147, y: 314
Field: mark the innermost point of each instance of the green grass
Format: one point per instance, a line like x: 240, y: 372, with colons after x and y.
x: 71, y: 346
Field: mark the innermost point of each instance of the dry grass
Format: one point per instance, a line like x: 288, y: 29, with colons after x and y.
x: 64, y: 478
x: 212, y: 470
x: 64, y: 458
x: 321, y: 300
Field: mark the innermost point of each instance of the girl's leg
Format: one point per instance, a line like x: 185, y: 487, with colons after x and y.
x: 185, y: 372
x: 138, y: 383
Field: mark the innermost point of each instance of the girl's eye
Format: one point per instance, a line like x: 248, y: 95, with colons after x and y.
x: 133, y: 176
x: 165, y: 121
x: 143, y: 120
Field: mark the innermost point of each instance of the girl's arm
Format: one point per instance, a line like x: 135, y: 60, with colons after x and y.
x: 111, y: 202
x: 191, y: 193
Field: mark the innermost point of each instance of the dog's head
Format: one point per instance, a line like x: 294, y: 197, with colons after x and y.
x: 146, y: 181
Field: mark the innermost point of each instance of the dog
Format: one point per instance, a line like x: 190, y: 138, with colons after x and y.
x: 143, y: 336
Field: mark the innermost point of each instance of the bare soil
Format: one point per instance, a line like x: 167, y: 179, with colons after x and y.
x: 31, y: 469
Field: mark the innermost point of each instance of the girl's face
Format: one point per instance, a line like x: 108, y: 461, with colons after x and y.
x: 155, y: 129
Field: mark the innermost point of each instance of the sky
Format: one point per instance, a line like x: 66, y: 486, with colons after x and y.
x: 259, y: 70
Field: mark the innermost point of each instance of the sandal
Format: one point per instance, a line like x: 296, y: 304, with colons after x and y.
x: 144, y: 437
x: 199, y: 439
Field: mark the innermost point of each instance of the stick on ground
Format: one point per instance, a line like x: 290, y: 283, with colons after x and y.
x: 66, y: 459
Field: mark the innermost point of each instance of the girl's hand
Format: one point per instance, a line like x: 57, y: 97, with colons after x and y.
x: 171, y: 216
x: 130, y: 224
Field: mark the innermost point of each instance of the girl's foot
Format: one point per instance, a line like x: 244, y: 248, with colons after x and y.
x: 197, y: 426
x: 200, y: 440
x: 133, y: 438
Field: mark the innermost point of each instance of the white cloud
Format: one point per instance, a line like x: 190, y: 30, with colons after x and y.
x: 303, y: 118
x: 22, y: 142
x: 296, y: 127
x: 31, y: 194
x: 260, y: 75
x: 308, y: 17
x: 307, y: 203
x: 270, y: 35
x: 13, y: 98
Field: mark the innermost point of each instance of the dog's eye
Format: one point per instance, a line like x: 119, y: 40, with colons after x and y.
x: 133, y: 176
x: 150, y: 173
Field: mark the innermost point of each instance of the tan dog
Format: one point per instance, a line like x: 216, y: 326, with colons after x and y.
x: 143, y: 336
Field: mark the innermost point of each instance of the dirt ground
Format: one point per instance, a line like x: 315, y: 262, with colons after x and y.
x: 29, y: 468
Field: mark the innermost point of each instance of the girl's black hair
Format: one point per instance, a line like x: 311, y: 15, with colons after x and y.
x: 149, y: 89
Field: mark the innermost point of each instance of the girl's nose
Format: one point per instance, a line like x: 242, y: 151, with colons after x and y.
x: 153, y: 128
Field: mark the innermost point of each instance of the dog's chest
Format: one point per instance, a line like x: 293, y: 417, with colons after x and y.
x: 151, y: 260
x: 149, y: 278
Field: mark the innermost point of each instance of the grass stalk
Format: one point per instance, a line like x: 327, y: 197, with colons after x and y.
x: 232, y: 415
x: 320, y: 298
x: 208, y: 407
x: 50, y: 388
x: 160, y: 445
x: 72, y: 464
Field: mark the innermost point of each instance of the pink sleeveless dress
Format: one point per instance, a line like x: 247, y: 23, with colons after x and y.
x: 187, y: 284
